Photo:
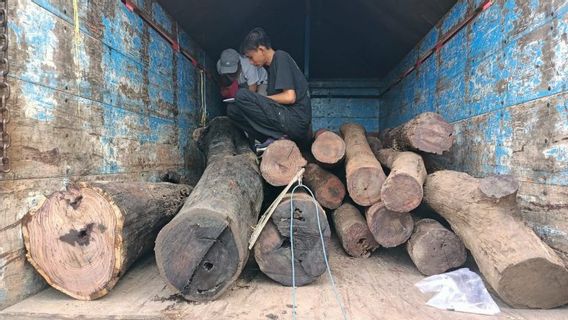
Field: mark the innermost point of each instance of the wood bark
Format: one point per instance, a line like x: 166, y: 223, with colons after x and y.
x: 484, y: 214
x: 272, y: 250
x: 203, y: 250
x: 328, y: 148
x: 96, y: 230
x: 328, y: 189
x: 353, y: 232
x: 389, y: 228
x: 375, y: 144
x: 364, y: 174
x: 427, y: 132
x: 402, y: 190
x: 280, y: 162
x: 435, y: 249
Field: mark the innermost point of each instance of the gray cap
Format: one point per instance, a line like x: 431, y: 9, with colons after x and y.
x: 229, y: 62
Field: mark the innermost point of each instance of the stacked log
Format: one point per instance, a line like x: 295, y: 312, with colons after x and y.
x: 328, y: 148
x: 402, y: 190
x: 353, y: 232
x: 272, y: 250
x: 435, y: 249
x: 364, y: 174
x: 280, y: 162
x: 389, y: 228
x: 375, y: 144
x: 427, y: 132
x: 523, y: 271
x: 328, y: 189
x: 202, y: 251
x: 97, y: 230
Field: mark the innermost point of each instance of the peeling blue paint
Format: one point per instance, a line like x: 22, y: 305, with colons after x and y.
x: 40, y: 102
x: 161, y: 17
x: 494, y: 73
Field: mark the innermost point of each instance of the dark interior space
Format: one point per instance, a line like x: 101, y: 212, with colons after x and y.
x: 347, y: 39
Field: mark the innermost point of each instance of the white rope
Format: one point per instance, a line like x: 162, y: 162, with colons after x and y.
x: 337, y: 298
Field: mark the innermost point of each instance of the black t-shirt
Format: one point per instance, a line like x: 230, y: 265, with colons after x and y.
x: 284, y: 74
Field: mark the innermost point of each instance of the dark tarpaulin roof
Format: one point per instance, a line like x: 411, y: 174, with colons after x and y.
x: 349, y: 39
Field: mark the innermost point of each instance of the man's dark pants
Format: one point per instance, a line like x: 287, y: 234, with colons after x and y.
x: 261, y: 117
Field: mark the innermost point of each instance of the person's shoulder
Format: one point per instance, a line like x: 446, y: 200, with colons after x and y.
x: 245, y: 62
x: 282, y: 53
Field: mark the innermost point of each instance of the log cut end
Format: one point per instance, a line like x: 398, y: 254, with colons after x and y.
x: 535, y: 283
x: 429, y: 132
x: 280, y: 162
x: 435, y: 249
x: 389, y: 228
x: 200, y: 271
x: 272, y: 250
x: 353, y: 232
x: 328, y: 148
x: 401, y: 192
x: 80, y: 229
x: 328, y: 188
x: 364, y: 185
x: 499, y: 186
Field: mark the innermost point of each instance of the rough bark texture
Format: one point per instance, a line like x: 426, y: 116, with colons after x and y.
x: 435, y: 249
x: 353, y: 232
x: 484, y: 214
x: 328, y: 189
x: 389, y: 228
x: 375, y: 144
x: 280, y: 162
x: 97, y: 230
x: 328, y: 148
x: 204, y: 249
x: 272, y: 249
x: 402, y: 190
x: 427, y: 132
x: 364, y: 174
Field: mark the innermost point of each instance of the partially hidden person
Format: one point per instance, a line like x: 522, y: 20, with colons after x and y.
x: 237, y: 72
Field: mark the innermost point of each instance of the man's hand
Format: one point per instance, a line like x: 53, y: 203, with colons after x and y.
x: 253, y: 87
x: 285, y: 97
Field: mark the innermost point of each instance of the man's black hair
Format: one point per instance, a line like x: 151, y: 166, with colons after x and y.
x: 255, y: 38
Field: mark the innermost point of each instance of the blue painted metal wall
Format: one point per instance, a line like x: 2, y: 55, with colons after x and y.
x: 336, y: 102
x: 106, y: 98
x: 503, y: 82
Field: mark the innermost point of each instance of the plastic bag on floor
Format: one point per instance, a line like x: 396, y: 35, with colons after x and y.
x: 460, y: 290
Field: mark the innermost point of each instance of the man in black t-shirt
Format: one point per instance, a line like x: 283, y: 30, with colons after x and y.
x: 286, y: 111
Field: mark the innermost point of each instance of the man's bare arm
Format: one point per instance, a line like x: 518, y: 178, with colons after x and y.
x: 284, y: 97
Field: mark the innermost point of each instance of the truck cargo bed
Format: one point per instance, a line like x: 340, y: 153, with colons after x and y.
x: 380, y: 287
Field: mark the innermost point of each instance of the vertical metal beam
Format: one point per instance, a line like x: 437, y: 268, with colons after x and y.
x: 307, y: 29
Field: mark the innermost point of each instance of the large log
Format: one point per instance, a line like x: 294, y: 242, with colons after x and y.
x: 524, y: 271
x: 389, y: 228
x: 427, y: 132
x: 328, y: 189
x: 280, y: 162
x: 83, y: 240
x: 435, y: 249
x: 272, y: 249
x: 402, y: 190
x: 364, y: 174
x: 353, y: 232
x: 203, y: 250
x: 328, y: 148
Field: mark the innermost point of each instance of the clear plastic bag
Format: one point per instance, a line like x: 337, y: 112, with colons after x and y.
x: 460, y: 290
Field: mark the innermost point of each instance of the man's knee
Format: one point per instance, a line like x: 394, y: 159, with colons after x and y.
x: 233, y: 111
x: 245, y: 95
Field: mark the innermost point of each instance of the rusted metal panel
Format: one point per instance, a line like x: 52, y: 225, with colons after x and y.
x: 110, y: 102
x: 503, y: 82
